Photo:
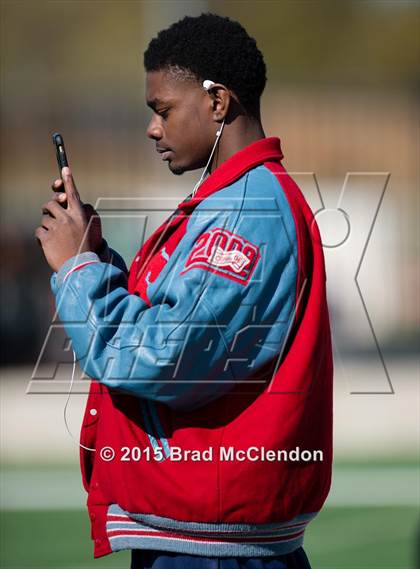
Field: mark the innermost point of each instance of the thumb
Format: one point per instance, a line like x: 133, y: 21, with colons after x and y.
x: 73, y: 197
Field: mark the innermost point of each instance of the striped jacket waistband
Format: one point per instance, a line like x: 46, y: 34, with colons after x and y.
x: 147, y: 531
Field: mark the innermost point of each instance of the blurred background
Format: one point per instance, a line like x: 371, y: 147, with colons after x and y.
x: 342, y: 95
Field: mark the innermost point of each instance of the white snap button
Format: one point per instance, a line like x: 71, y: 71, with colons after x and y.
x: 93, y: 412
x: 137, y: 258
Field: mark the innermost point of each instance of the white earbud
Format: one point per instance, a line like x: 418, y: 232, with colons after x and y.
x: 207, y: 84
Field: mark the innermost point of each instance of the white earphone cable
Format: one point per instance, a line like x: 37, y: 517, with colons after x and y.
x: 66, y: 405
x: 218, y: 135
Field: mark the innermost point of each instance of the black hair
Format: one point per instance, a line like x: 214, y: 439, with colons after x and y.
x: 212, y: 47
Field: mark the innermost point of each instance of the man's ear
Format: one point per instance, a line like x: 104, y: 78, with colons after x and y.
x: 220, y: 97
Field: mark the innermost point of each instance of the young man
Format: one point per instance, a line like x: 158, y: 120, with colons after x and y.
x: 206, y: 440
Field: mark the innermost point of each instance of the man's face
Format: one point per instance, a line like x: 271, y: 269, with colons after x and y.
x: 182, y: 123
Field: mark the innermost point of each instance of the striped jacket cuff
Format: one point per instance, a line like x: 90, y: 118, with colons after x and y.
x: 75, y: 263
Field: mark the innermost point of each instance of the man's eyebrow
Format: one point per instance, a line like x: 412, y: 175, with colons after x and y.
x: 154, y: 103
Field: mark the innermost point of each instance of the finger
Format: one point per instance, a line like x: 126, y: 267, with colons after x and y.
x: 40, y: 233
x: 73, y: 197
x: 54, y: 209
x: 57, y: 185
x: 60, y: 197
x: 47, y: 221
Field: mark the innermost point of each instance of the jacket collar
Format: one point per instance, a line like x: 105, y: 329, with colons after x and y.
x: 256, y: 153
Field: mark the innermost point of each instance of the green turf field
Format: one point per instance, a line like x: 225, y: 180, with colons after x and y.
x: 339, y: 538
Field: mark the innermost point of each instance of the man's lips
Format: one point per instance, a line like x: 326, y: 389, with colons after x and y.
x: 164, y: 152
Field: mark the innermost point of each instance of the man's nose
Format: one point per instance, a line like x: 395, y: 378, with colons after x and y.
x: 154, y: 130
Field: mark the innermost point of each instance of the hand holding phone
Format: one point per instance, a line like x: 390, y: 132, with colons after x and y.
x: 95, y: 231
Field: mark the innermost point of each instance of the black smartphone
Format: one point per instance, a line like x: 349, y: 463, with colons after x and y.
x: 62, y: 161
x: 60, y: 151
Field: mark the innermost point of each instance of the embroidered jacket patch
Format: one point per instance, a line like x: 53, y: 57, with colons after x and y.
x: 225, y: 253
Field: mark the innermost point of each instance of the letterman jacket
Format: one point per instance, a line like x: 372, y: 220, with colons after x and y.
x: 217, y: 339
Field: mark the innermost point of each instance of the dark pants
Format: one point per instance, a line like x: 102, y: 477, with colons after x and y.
x: 165, y: 560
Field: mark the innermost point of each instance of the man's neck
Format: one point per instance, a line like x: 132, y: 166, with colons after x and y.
x: 234, y: 137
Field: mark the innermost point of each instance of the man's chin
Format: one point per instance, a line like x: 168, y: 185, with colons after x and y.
x: 177, y: 170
